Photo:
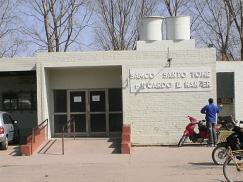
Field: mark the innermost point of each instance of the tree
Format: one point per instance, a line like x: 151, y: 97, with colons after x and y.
x: 57, y: 23
x: 175, y: 7
x: 236, y: 11
x: 9, y: 41
x: 118, y: 22
x: 216, y: 28
x: 181, y: 8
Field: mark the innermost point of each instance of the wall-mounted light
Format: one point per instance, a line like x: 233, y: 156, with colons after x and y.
x: 169, y: 61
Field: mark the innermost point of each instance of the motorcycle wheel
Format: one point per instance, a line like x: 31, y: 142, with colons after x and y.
x: 182, y: 140
x: 219, y: 154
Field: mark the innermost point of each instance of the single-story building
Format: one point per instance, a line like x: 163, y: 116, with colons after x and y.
x: 151, y: 88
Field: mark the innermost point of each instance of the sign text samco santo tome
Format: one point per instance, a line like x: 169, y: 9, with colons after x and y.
x: 170, y: 79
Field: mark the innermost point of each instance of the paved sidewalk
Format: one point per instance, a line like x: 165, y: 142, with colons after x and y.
x: 94, y: 160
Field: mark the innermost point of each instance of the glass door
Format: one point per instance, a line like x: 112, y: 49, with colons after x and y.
x: 78, y: 111
x: 98, y: 112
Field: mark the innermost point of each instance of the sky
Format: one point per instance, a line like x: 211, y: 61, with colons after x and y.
x: 27, y: 20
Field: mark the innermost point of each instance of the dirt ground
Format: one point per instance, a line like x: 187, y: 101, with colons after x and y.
x: 96, y: 160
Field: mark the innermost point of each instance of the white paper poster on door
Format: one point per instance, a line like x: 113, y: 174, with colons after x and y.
x: 95, y: 98
x: 77, y: 99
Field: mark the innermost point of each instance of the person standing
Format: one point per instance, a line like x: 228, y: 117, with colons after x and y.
x: 211, y: 111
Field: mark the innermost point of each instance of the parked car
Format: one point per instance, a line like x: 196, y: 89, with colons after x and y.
x: 8, y: 131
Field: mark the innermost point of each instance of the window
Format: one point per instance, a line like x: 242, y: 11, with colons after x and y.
x: 115, y: 122
x: 25, y: 101
x: 115, y: 99
x: 7, y: 119
x: 115, y: 109
x: 10, y: 101
x: 19, y: 100
x: 60, y: 101
x: 59, y: 122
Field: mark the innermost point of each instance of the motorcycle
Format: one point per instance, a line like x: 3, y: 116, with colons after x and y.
x: 227, y: 122
x: 195, y: 137
x: 232, y: 141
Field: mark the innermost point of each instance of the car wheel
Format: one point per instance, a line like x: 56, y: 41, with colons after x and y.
x: 4, y: 144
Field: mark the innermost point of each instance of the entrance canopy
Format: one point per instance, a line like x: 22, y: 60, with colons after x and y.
x: 92, y: 96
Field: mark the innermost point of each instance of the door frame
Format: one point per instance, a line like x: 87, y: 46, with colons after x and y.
x: 88, y: 112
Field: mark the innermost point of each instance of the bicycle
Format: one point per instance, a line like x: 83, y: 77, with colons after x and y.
x: 233, y: 166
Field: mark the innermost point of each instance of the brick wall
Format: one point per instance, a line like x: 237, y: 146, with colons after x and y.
x: 155, y: 118
x: 34, y: 141
x: 158, y: 118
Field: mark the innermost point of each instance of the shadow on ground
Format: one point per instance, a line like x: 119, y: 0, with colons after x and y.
x: 202, y: 163
x: 46, y: 147
x: 115, y: 144
x: 190, y: 145
x: 15, y: 151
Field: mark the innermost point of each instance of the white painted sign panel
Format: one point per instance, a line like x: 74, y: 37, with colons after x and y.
x: 170, y: 79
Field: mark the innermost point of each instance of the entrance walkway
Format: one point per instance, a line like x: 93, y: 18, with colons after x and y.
x: 95, y: 163
x: 81, y: 146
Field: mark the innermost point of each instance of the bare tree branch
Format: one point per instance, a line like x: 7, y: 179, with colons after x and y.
x: 9, y: 41
x: 217, y: 22
x: 60, y: 20
x: 118, y: 22
x: 236, y: 11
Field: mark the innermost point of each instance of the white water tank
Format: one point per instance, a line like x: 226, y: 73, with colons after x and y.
x: 178, y: 28
x: 150, y: 28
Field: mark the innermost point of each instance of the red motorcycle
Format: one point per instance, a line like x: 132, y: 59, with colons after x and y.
x: 194, y: 136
